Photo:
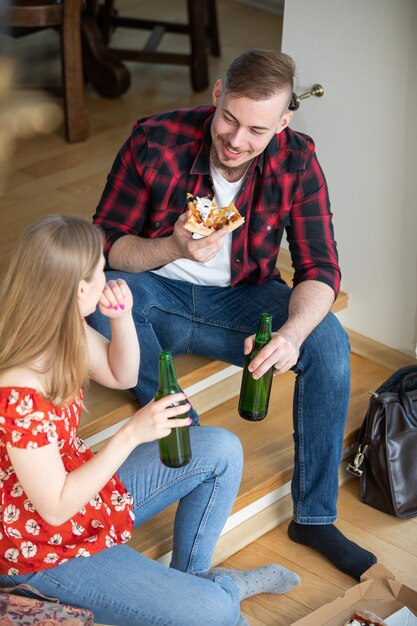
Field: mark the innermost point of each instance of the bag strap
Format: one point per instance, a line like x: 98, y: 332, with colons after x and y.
x: 394, y: 382
x: 406, y: 400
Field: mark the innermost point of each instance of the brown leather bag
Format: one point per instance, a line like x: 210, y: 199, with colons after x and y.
x: 386, y: 458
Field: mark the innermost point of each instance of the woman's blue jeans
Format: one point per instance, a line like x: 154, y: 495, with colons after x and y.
x: 125, y: 588
x: 214, y: 321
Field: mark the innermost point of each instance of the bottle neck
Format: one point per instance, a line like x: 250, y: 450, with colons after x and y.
x: 263, y: 334
x: 168, y: 382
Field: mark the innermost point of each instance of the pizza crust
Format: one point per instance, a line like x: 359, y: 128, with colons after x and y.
x: 196, y: 224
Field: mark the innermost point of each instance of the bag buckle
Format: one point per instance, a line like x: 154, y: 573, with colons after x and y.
x: 354, y: 468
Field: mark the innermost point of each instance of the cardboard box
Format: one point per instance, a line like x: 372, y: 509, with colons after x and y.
x: 378, y: 592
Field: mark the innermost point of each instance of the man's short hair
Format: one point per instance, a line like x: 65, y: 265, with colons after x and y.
x: 259, y: 74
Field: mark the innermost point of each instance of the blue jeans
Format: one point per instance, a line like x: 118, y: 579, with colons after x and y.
x: 214, y: 322
x: 125, y: 588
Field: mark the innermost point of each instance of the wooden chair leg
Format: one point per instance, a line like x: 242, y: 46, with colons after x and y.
x: 198, y: 36
x: 213, y: 28
x: 105, y: 20
x: 103, y: 69
x: 76, y: 115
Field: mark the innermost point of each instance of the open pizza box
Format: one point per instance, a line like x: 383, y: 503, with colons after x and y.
x: 378, y: 592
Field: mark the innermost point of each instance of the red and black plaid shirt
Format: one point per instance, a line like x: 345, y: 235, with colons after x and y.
x: 167, y: 156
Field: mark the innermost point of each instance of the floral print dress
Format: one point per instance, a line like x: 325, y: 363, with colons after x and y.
x: 27, y: 543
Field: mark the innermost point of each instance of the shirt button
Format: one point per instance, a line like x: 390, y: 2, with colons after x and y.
x: 237, y: 260
x: 157, y: 224
x: 268, y: 227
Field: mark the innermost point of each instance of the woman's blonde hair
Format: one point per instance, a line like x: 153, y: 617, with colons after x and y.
x: 39, y: 320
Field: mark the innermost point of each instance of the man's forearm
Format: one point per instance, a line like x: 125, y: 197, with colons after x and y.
x: 137, y: 254
x: 310, y: 302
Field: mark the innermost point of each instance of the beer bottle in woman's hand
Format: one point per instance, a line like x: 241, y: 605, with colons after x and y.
x: 175, y: 448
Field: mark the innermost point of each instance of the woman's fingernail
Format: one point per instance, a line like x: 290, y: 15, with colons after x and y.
x: 190, y: 421
x: 110, y: 306
x: 122, y: 306
x: 115, y: 307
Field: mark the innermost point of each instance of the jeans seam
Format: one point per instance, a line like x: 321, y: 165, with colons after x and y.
x: 328, y: 519
x: 202, y: 525
x: 157, y: 492
x: 218, y: 324
x: 300, y: 443
x: 198, y: 320
x: 165, y: 310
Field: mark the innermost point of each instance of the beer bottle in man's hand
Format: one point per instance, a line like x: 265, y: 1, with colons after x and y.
x: 175, y: 448
x: 254, y: 394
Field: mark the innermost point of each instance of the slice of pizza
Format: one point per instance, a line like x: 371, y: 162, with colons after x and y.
x: 365, y: 618
x: 206, y: 217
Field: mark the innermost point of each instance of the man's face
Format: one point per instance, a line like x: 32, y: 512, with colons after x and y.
x: 242, y: 128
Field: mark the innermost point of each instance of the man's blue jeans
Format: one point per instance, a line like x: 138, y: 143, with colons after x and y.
x: 213, y: 322
x: 125, y: 588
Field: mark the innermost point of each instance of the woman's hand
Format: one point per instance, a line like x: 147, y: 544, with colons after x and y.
x: 116, y: 299
x: 155, y: 419
x: 114, y: 363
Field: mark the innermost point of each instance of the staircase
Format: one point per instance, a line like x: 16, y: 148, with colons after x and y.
x: 263, y: 501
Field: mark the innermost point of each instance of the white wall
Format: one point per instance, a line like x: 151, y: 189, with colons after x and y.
x: 364, y: 53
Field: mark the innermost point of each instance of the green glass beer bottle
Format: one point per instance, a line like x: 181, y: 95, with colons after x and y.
x: 254, y: 394
x: 175, y: 448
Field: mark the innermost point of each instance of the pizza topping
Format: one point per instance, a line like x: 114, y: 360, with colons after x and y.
x: 211, y: 214
x: 207, y: 217
x: 203, y: 206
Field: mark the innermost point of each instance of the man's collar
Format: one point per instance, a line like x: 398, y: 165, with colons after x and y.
x: 201, y: 163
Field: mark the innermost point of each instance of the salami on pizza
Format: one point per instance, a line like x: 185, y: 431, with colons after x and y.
x: 206, y: 217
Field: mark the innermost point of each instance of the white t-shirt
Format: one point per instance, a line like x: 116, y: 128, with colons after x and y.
x: 216, y: 272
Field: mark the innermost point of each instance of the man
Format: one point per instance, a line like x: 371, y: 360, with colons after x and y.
x: 205, y: 295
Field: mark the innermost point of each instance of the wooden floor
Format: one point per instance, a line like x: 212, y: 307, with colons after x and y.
x: 394, y: 542
x: 47, y: 175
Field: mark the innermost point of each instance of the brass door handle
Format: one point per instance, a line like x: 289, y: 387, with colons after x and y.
x: 317, y: 90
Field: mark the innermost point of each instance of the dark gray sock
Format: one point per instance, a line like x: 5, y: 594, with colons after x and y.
x: 267, y: 579
x: 329, y: 541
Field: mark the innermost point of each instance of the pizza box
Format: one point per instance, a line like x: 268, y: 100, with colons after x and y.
x: 378, y: 591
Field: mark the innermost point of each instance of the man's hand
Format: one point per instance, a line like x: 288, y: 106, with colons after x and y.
x: 281, y: 353
x: 201, y: 250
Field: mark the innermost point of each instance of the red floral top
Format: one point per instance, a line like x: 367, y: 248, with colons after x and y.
x: 27, y: 542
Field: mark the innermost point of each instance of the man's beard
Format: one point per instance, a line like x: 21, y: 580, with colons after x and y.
x: 229, y: 171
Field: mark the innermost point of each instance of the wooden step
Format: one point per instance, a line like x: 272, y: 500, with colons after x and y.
x: 107, y: 408
x: 268, y: 447
x: 284, y: 265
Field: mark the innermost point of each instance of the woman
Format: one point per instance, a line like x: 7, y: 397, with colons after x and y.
x: 66, y: 513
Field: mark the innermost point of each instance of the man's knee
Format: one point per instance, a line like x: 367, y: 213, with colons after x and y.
x: 328, y: 344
